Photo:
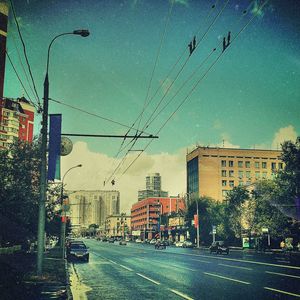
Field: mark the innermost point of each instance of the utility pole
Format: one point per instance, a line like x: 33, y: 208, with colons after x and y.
x: 198, y: 246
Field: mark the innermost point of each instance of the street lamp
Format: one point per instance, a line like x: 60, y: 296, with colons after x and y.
x: 63, y: 217
x: 43, y: 170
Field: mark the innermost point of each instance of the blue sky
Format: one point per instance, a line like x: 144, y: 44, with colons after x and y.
x: 250, y: 98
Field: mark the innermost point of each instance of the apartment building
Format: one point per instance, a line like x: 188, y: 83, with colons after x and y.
x: 118, y: 225
x: 213, y: 172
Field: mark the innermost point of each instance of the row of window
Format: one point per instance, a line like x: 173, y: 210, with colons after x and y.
x: 247, y: 164
x: 242, y: 174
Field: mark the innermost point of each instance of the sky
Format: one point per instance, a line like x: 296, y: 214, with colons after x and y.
x: 245, y: 97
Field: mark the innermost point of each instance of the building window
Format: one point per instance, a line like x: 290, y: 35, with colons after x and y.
x: 247, y: 164
x: 240, y: 164
x: 224, y: 173
x: 241, y: 174
x: 256, y: 164
x: 264, y: 165
x: 241, y: 183
x: 231, y: 173
x: 264, y: 175
x: 248, y: 174
x: 273, y: 166
x: 231, y: 183
x: 280, y: 166
x: 231, y: 163
x: 224, y: 182
x: 257, y: 175
x: 223, y: 163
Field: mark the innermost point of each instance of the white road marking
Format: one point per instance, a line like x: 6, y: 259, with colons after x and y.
x: 282, y: 292
x: 281, y: 274
x: 283, y: 261
x: 181, y: 295
x: 204, y: 261
x: 147, y: 278
x: 238, y: 267
x: 227, y: 278
x: 125, y: 267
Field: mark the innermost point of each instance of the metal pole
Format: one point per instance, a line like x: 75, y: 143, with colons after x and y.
x: 197, y: 226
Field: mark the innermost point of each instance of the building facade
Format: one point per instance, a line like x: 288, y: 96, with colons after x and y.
x: 146, y: 214
x: 92, y: 207
x: 153, y: 187
x: 16, y: 121
x: 3, y: 36
x: 213, y: 172
x: 118, y: 226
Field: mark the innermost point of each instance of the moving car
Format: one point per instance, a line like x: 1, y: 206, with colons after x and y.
x: 187, y: 244
x: 77, y: 251
x: 178, y: 244
x: 219, y: 247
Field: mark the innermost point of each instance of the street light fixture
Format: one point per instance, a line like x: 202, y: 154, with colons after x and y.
x: 43, y: 170
x: 63, y: 216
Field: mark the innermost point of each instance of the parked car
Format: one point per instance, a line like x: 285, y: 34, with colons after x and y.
x: 152, y: 242
x: 122, y: 242
x: 138, y: 241
x: 77, y: 251
x: 219, y: 247
x: 187, y: 244
x: 111, y: 240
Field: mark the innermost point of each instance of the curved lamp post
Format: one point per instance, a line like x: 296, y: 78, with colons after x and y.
x: 63, y: 215
x: 43, y: 171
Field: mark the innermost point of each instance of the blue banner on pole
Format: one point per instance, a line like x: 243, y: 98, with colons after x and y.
x: 54, y: 147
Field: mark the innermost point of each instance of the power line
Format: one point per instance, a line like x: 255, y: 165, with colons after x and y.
x: 25, y: 53
x: 35, y: 106
x: 95, y: 115
x: 195, y: 86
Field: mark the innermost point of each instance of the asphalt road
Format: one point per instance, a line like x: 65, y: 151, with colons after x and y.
x: 137, y: 271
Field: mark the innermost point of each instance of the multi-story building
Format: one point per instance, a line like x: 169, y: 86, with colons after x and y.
x: 145, y: 214
x: 92, y: 207
x: 213, y: 172
x: 3, y: 35
x: 118, y: 225
x: 16, y: 121
x: 153, y: 188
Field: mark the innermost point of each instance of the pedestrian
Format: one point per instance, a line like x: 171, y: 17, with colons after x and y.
x: 282, y: 245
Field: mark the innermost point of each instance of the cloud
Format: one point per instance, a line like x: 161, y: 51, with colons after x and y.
x: 226, y: 142
x: 97, y: 166
x: 182, y: 2
x: 284, y: 134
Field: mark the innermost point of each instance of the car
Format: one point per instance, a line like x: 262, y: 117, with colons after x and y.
x: 219, y: 247
x: 138, y: 241
x: 111, y: 240
x: 152, y: 242
x: 77, y: 251
x: 160, y: 245
x: 104, y: 239
x: 123, y: 242
x: 187, y: 244
x: 178, y: 244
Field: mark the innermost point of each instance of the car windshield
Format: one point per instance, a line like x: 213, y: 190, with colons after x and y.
x: 78, y: 246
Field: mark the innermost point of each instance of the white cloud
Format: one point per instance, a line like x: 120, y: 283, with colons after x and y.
x: 284, y: 134
x: 226, y: 142
x: 97, y: 166
x: 182, y: 2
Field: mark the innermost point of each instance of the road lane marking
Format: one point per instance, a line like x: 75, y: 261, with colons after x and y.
x: 281, y: 274
x: 204, y: 261
x: 238, y: 267
x: 181, y: 295
x: 283, y: 261
x: 125, y: 267
x: 147, y: 278
x: 239, y: 260
x: 283, y: 292
x: 223, y: 277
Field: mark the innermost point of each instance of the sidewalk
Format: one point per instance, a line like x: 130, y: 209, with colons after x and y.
x: 18, y: 278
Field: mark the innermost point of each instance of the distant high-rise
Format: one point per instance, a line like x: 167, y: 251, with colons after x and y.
x: 153, y: 187
x: 3, y: 35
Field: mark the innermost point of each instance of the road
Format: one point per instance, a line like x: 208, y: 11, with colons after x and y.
x: 137, y: 271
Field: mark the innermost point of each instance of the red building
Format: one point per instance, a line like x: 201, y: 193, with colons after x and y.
x: 16, y: 121
x: 146, y: 214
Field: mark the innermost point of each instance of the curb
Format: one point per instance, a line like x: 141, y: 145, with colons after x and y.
x: 68, y: 286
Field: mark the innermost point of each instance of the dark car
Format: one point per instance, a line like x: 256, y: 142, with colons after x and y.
x: 77, y: 251
x: 160, y: 245
x: 219, y: 247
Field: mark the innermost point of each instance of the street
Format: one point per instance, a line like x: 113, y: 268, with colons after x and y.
x: 137, y: 271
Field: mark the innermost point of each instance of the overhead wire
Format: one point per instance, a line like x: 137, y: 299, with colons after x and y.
x: 134, y: 140
x: 19, y: 78
x: 195, y: 86
x: 25, y: 54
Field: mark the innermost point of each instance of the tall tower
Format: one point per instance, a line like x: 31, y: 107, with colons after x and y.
x: 3, y: 35
x: 153, y: 182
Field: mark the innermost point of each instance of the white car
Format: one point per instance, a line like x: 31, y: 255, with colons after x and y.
x: 138, y: 240
x: 153, y: 241
x: 178, y: 244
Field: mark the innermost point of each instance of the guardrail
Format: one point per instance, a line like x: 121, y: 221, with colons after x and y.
x: 10, y: 250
